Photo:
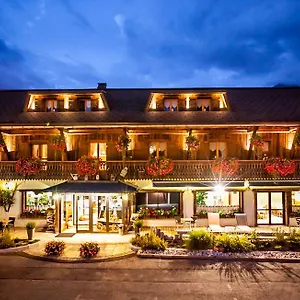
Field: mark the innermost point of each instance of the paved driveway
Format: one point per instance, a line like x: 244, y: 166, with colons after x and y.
x: 133, y: 278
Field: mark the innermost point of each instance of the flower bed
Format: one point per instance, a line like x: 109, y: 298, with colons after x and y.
x: 161, y: 166
x: 33, y: 213
x: 280, y: 166
x: 88, y: 165
x: 89, y: 249
x: 224, y: 214
x: 146, y: 212
x: 225, y: 166
x: 28, y: 166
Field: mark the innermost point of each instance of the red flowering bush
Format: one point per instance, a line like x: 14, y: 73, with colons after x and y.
x: 58, y: 143
x: 55, y: 248
x: 87, y: 165
x: 257, y: 141
x: 122, y: 143
x: 225, y: 166
x: 192, y: 142
x: 89, y: 249
x: 159, y: 166
x: 280, y: 166
x: 28, y: 166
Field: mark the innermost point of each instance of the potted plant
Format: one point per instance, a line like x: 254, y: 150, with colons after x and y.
x: 227, y: 167
x: 30, y: 226
x: 138, y: 224
x: 87, y: 165
x: 280, y: 167
x: 192, y: 142
x: 161, y: 166
x: 122, y: 144
x: 28, y: 166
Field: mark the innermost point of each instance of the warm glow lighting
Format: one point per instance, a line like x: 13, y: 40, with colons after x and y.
x: 9, y: 185
x: 290, y: 139
x: 219, y: 189
x: 100, y: 102
x: 66, y: 102
x: 187, y: 102
x: 56, y: 196
x: 31, y: 104
x: 153, y: 102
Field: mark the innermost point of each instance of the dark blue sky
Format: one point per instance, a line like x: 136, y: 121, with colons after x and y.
x: 148, y: 43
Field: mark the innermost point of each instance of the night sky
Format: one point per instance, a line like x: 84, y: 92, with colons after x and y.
x: 148, y: 43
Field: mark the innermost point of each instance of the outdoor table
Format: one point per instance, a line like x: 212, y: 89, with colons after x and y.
x: 187, y: 221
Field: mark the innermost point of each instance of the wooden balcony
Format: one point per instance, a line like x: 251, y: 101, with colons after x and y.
x: 183, y: 170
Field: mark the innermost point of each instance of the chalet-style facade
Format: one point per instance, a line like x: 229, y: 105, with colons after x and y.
x: 163, y: 151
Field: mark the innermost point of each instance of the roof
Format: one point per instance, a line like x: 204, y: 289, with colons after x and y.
x: 91, y: 187
x: 199, y: 184
x: 248, y: 106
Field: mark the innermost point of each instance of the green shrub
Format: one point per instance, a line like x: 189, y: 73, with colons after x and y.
x: 293, y: 239
x: 138, y: 223
x: 279, y: 235
x: 149, y: 241
x: 7, y: 241
x: 233, y: 243
x: 30, y: 225
x: 199, y: 240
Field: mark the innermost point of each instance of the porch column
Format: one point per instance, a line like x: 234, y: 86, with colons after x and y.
x: 249, y: 207
x: 188, y: 204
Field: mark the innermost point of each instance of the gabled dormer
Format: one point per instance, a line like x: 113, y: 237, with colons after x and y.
x: 200, y: 101
x: 45, y: 101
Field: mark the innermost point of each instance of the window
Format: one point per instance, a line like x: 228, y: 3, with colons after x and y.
x: 51, y: 105
x: 170, y: 105
x: 203, y: 104
x: 217, y: 150
x: 40, y: 151
x: 98, y: 150
x: 161, y: 199
x: 35, y: 204
x: 158, y: 149
x: 215, y: 199
x: 85, y: 105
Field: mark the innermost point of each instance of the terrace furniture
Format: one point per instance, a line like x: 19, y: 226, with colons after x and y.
x: 2, y: 227
x: 241, y: 221
x: 11, y: 222
x: 298, y: 221
x: 214, y: 222
x: 187, y: 221
x: 178, y: 222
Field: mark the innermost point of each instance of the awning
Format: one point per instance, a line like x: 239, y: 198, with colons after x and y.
x: 91, y: 187
x: 194, y: 184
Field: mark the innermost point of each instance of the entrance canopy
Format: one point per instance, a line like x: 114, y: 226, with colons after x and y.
x: 91, y: 187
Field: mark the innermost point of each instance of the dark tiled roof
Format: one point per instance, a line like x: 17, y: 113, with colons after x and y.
x: 91, y: 187
x: 127, y: 106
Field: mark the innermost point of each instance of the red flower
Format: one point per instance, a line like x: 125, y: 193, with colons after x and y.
x: 225, y: 166
x: 280, y: 166
x: 257, y: 141
x: 159, y: 166
x: 28, y: 166
x: 58, y: 143
x: 87, y: 165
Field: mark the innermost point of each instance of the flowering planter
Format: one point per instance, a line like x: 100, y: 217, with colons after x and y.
x: 159, y: 222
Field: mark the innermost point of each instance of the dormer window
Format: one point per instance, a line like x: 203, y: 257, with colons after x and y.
x: 85, y: 105
x: 51, y: 105
x: 203, y: 104
x: 171, y: 105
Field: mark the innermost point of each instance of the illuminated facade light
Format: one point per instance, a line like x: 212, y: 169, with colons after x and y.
x: 66, y: 102
x: 100, y: 102
x: 187, y: 102
x: 219, y: 189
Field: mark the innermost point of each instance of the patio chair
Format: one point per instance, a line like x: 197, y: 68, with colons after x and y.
x: 178, y: 222
x: 11, y: 222
x: 214, y: 222
x: 298, y: 221
x: 1, y: 227
x: 241, y: 221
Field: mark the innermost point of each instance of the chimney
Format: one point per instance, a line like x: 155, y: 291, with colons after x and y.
x: 101, y: 86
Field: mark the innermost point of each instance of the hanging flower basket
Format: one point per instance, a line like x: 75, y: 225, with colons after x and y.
x: 192, y: 142
x: 280, y: 166
x: 225, y: 166
x: 297, y: 140
x: 257, y: 141
x: 159, y: 166
x: 122, y: 143
x: 58, y: 143
x: 88, y: 165
x: 28, y: 166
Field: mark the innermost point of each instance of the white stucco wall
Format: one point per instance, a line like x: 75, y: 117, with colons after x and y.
x: 188, y: 204
x: 249, y: 207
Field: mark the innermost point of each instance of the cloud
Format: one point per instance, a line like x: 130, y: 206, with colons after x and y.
x: 120, y: 21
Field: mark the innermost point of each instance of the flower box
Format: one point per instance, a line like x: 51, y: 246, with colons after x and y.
x: 277, y: 167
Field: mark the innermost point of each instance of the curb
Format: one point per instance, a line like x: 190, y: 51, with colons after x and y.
x: 19, y: 249
x: 217, y: 258
x: 75, y: 260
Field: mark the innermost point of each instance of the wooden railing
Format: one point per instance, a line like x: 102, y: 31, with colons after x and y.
x: 183, y: 170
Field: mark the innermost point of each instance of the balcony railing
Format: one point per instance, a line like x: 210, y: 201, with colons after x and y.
x: 183, y: 170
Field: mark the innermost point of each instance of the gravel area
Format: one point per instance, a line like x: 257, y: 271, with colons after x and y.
x: 211, y: 253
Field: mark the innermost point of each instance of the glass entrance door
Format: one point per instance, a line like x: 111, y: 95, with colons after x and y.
x: 270, y: 208
x: 83, y: 213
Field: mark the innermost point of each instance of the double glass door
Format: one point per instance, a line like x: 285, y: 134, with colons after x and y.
x: 270, y: 208
x: 98, y: 213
